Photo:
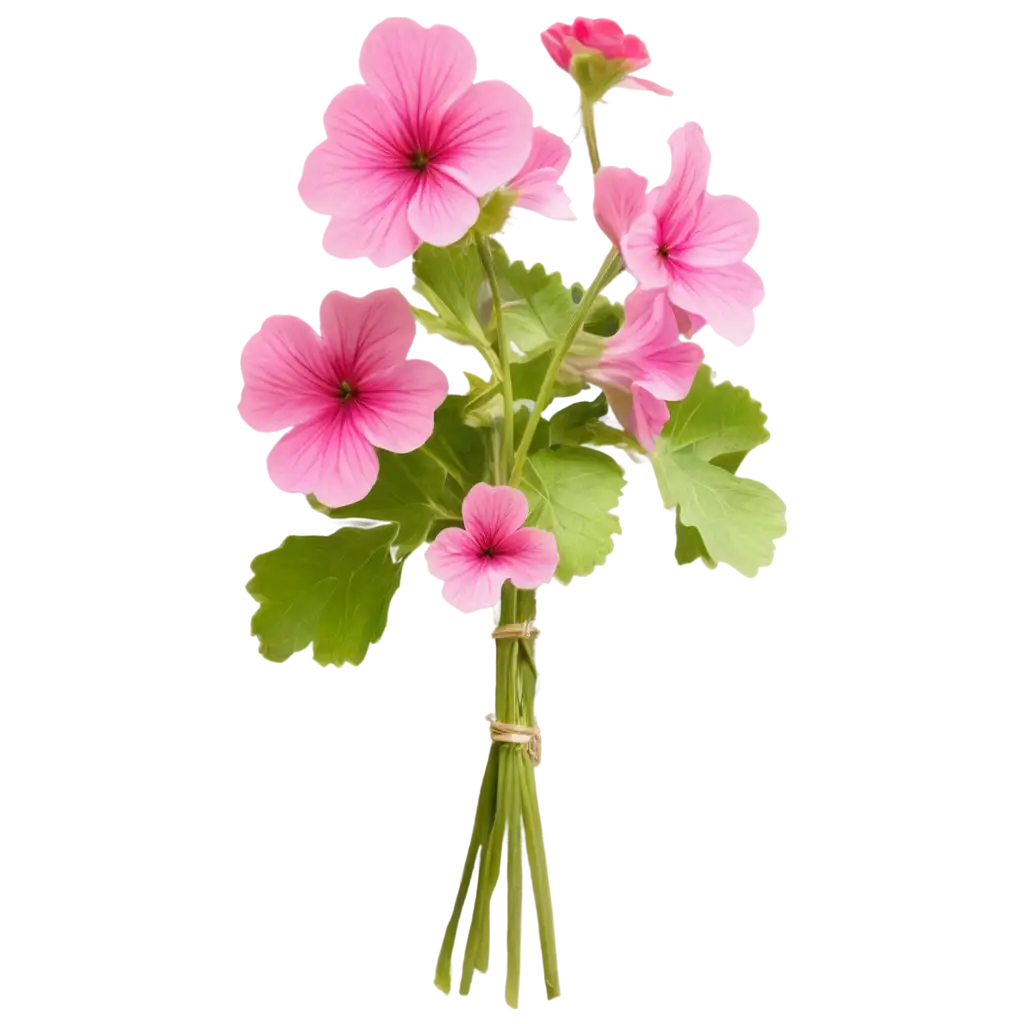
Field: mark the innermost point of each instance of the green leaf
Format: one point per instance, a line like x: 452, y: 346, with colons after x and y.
x: 452, y: 280
x: 571, y: 493
x: 738, y: 519
x: 540, y: 308
x: 541, y: 437
x: 409, y: 492
x: 333, y: 592
x: 714, y: 419
x: 456, y: 445
x: 494, y: 211
x: 581, y: 423
x: 605, y: 317
x: 690, y: 546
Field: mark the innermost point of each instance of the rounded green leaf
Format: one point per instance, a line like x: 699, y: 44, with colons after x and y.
x: 333, y: 592
x: 571, y: 493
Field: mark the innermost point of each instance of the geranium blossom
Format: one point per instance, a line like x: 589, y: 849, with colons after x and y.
x: 584, y: 36
x: 643, y: 366
x: 409, y: 153
x: 494, y: 547
x: 683, y: 240
x: 345, y: 392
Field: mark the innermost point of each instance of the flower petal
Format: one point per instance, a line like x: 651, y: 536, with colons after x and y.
x: 382, y: 234
x: 634, y: 82
x: 471, y: 583
x: 725, y: 231
x: 618, y: 200
x: 287, y: 375
x: 441, y: 211
x: 725, y: 296
x: 649, y: 415
x: 676, y: 202
x: 418, y: 70
x: 640, y: 251
x: 536, y: 183
x: 640, y: 299
x: 527, y: 557
x: 554, y: 42
x: 395, y: 411
x: 367, y: 336
x: 364, y: 142
x: 492, y: 514
x: 485, y: 136
x: 326, y: 456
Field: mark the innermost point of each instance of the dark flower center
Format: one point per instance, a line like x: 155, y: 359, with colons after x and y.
x: 488, y: 552
x: 419, y: 159
x: 663, y: 249
x: 346, y: 391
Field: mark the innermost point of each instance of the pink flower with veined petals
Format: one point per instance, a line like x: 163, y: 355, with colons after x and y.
x: 536, y: 184
x: 409, y: 153
x: 560, y: 41
x: 494, y: 547
x: 345, y: 392
x: 682, y: 239
x: 645, y: 365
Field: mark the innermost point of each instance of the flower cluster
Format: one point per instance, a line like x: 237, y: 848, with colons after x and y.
x: 420, y: 152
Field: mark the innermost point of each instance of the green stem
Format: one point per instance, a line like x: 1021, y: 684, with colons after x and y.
x: 609, y: 269
x: 514, y: 939
x: 587, y: 115
x: 483, y: 247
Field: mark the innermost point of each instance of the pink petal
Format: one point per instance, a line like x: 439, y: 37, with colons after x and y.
x: 485, y: 136
x: 287, y: 375
x: 368, y: 336
x: 356, y: 167
x: 649, y: 415
x: 536, y: 183
x: 725, y: 231
x: 725, y: 296
x: 677, y: 200
x: 441, y: 211
x: 395, y: 411
x: 383, y: 234
x: 326, y: 456
x: 492, y: 514
x: 527, y: 557
x: 618, y: 200
x: 551, y: 39
x: 640, y: 251
x: 417, y: 69
x: 471, y: 582
x: 640, y: 299
x: 633, y: 82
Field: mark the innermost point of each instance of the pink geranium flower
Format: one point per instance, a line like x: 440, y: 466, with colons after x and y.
x: 645, y: 365
x: 409, y: 153
x: 536, y: 184
x: 683, y: 240
x: 494, y: 547
x: 560, y: 41
x: 345, y: 392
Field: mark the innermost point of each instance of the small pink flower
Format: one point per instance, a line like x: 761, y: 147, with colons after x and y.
x: 409, y: 153
x: 536, y: 184
x: 344, y: 392
x: 494, y: 547
x: 645, y: 365
x: 561, y: 40
x: 681, y: 239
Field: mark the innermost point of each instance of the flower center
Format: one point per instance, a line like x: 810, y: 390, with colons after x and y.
x: 663, y: 249
x: 419, y: 159
x: 487, y: 552
x: 346, y: 391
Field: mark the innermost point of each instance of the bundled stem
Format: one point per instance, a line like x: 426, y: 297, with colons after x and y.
x: 507, y: 805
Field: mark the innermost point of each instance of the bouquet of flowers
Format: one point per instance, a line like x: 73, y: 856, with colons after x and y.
x: 507, y: 484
